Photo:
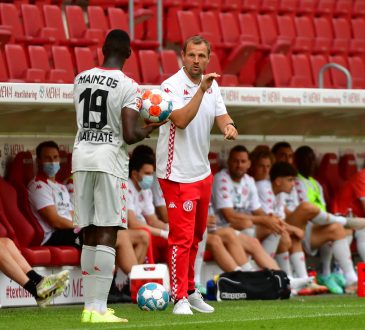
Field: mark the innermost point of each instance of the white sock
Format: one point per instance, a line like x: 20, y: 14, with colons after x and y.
x: 324, y: 218
x: 284, y: 264
x: 325, y: 256
x: 238, y: 269
x: 247, y: 267
x: 297, y: 260
x: 341, y: 251
x: 88, y: 275
x: 360, y: 242
x: 254, y: 265
x: 349, y: 239
x: 270, y: 244
x: 104, y: 266
x: 249, y: 231
x: 200, y: 258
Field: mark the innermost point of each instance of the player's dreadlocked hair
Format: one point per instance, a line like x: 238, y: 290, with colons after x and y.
x: 117, y: 42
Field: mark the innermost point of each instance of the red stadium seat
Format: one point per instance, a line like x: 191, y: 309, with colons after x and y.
x: 357, y: 69
x: 302, y: 69
x: 19, y: 229
x: 347, y: 166
x: 343, y: 8
x: 97, y: 18
x: 358, y: 9
x: 325, y: 35
x: 283, y: 73
x: 231, y: 5
x: 238, y: 49
x: 225, y: 79
x: 132, y: 69
x: 65, y: 166
x: 317, y: 62
x: 84, y: 59
x: 3, y: 69
x: 328, y: 174
x: 269, y: 6
x: 214, y: 162
x: 63, y: 61
x: 288, y: 7
x: 338, y: 77
x: 189, y: 25
x: 150, y: 67
x: 306, y: 7
x: 169, y: 62
x: 286, y: 27
x: 77, y: 27
x: 342, y: 29
x: 358, y: 29
x: 39, y: 60
x: 326, y: 7
x: 270, y: 37
x: 18, y: 67
x: 250, y: 5
x: 34, y: 25
x: 118, y: 19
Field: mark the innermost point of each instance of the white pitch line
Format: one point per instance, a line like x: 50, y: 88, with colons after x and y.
x: 186, y: 322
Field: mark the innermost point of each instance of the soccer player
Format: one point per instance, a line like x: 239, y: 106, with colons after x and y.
x: 14, y: 265
x: 183, y: 166
x: 107, y: 106
x: 351, y: 196
x: 49, y: 200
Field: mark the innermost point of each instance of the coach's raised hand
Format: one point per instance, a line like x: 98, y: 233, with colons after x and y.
x: 208, y: 80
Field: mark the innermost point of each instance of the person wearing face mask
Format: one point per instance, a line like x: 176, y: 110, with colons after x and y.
x: 49, y: 200
x: 141, y: 211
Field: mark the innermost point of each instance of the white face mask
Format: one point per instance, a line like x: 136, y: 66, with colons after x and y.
x: 146, y: 182
x: 51, y: 169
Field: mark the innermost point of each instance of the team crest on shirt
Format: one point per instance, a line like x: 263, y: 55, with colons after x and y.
x: 166, y: 90
x: 188, y: 206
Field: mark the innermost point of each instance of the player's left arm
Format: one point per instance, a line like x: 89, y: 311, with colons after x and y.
x: 226, y: 126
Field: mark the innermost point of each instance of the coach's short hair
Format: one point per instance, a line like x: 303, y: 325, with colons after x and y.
x: 117, y: 42
x: 196, y: 40
x: 45, y: 144
x: 282, y: 169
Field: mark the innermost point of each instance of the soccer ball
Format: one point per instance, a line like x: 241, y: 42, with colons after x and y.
x: 156, y: 106
x: 152, y: 297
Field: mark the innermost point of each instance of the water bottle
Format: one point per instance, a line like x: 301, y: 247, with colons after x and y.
x: 211, y: 290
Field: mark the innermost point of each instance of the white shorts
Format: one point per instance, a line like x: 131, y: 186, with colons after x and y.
x: 307, y: 240
x: 100, y: 199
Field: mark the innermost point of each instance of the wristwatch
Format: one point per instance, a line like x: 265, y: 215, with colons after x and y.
x: 233, y: 124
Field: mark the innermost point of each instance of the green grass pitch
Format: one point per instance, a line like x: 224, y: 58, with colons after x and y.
x: 318, y: 312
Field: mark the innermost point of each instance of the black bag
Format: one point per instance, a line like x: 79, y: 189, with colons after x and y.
x: 259, y: 285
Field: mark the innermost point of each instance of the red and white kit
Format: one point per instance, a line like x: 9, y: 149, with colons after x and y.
x: 184, y: 174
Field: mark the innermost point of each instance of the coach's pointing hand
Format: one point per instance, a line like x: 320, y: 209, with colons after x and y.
x: 208, y: 80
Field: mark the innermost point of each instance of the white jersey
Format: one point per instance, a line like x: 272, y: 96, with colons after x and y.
x: 182, y: 154
x: 242, y: 196
x: 42, y: 193
x: 140, y: 202
x: 270, y: 203
x: 291, y: 200
x: 100, y: 94
x: 158, y: 199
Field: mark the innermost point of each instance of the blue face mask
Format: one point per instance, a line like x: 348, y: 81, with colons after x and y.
x: 146, y: 182
x: 51, y: 169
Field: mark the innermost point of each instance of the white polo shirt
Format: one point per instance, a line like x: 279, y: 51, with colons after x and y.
x: 270, y: 203
x: 242, y: 196
x: 140, y: 202
x: 42, y: 193
x: 182, y: 154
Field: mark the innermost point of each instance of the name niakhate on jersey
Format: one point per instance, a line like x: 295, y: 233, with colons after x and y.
x: 96, y: 136
x: 98, y: 79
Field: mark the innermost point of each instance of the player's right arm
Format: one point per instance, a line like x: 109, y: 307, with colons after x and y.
x: 183, y: 116
x: 132, y: 131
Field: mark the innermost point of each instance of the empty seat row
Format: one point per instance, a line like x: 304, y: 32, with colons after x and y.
x: 301, y: 70
x: 33, y: 25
